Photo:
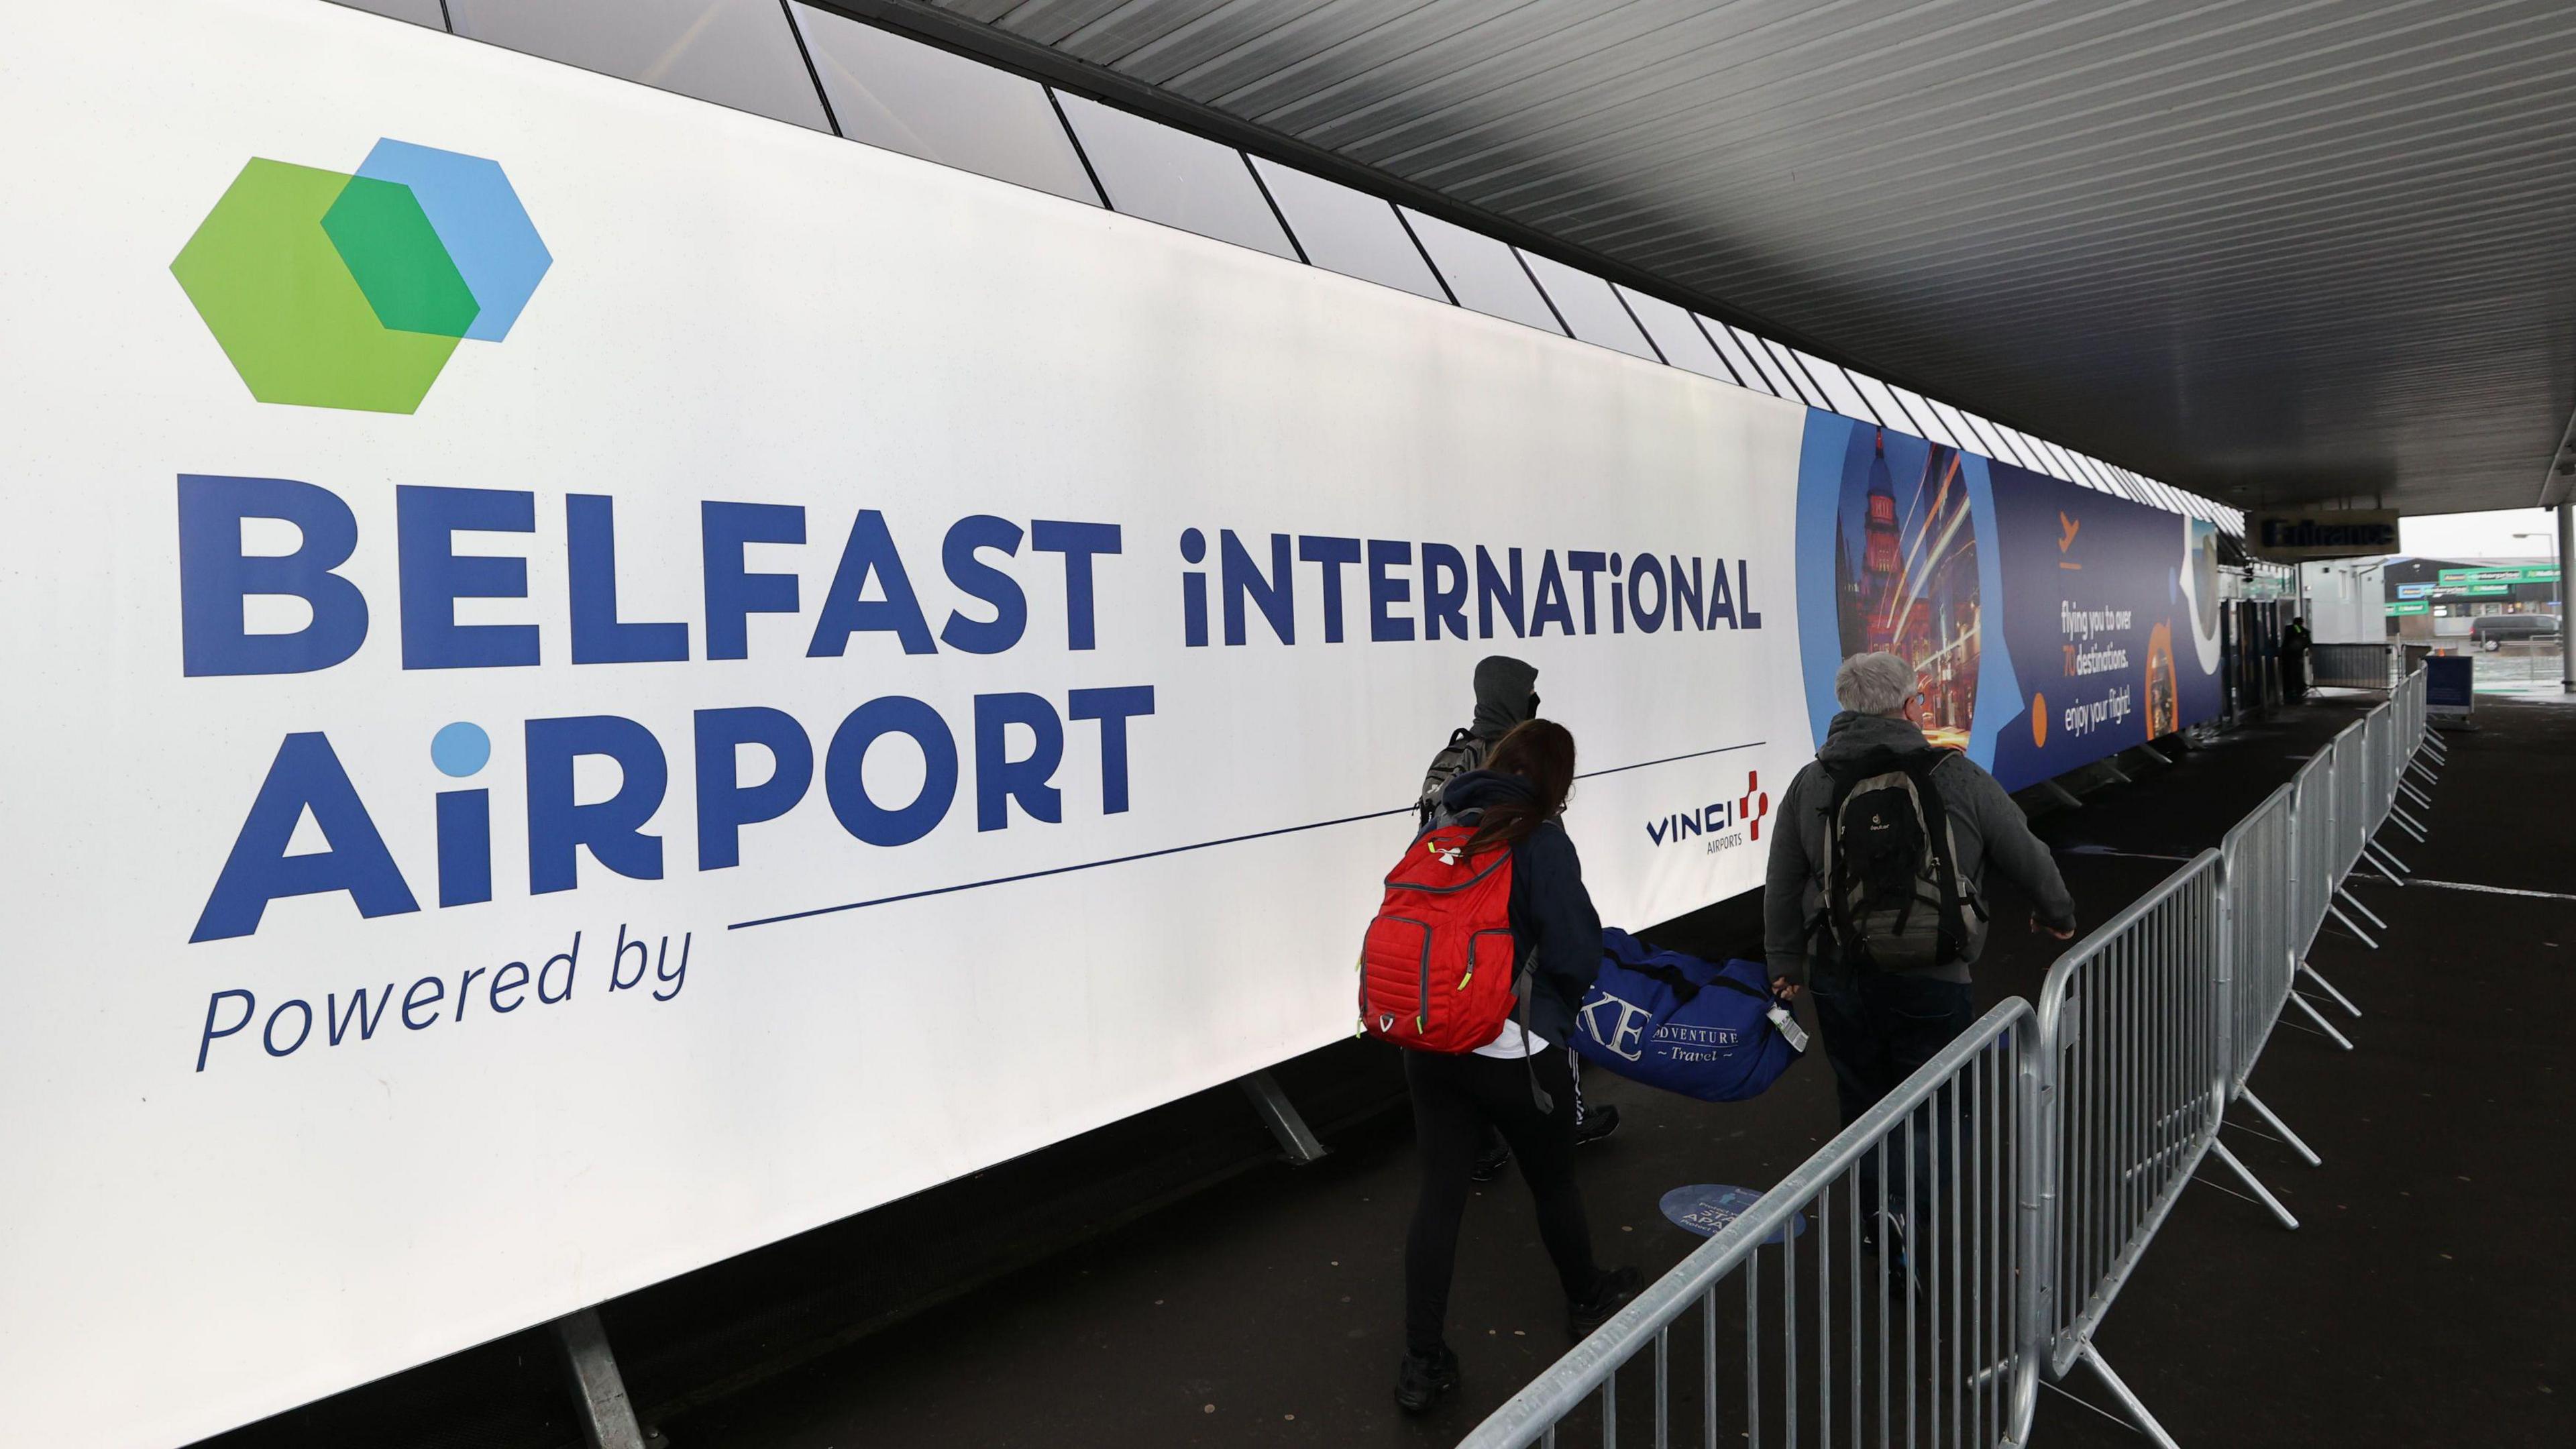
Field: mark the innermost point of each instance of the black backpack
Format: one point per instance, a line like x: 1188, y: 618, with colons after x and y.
x: 1464, y: 752
x: 1893, y: 897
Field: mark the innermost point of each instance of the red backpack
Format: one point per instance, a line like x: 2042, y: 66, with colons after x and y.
x: 1437, y: 965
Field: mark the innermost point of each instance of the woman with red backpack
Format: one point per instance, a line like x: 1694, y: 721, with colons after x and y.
x: 1518, y: 1081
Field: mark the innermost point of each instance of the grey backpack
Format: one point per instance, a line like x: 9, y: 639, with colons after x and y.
x: 1893, y: 897
x: 1464, y: 752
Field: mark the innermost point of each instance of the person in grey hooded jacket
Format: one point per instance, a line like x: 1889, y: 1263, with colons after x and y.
x: 1506, y: 694
x: 1879, y: 1026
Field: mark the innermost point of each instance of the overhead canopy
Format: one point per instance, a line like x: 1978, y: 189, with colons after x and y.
x: 2273, y: 251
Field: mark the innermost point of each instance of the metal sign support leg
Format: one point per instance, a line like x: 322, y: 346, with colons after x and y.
x: 1280, y: 1116
x: 599, y: 1391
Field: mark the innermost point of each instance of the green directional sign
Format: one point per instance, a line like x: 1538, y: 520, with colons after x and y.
x: 2505, y: 574
x: 2410, y: 606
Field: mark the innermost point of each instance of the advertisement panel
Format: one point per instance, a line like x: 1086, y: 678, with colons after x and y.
x: 600, y: 681
x: 2104, y: 612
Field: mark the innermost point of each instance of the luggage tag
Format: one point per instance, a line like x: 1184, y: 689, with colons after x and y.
x: 1787, y: 1026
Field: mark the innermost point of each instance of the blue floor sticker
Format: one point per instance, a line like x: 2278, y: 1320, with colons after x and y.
x: 1706, y: 1208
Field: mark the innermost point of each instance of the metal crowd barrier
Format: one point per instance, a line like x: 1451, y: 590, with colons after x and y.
x: 1973, y: 1230
x: 2134, y: 1047
x: 1893, y: 1308
x: 2348, y: 666
x: 2265, y: 944
x: 2312, y: 836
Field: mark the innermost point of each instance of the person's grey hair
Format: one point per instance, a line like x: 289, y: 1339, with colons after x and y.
x: 1874, y: 683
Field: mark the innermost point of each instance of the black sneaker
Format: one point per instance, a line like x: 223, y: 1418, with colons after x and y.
x: 1610, y: 1293
x: 1491, y: 1162
x: 1598, y: 1122
x: 1422, y: 1379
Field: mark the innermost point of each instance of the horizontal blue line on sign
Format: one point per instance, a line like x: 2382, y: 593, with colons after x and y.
x: 1180, y: 849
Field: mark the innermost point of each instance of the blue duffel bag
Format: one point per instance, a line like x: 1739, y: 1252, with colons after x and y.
x: 1686, y: 1025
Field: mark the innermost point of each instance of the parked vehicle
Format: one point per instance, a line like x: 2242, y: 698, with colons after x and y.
x: 2491, y: 632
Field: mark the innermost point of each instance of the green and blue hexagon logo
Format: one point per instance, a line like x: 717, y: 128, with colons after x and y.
x: 351, y: 291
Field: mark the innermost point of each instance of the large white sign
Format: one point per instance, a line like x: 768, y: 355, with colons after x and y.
x: 847, y: 673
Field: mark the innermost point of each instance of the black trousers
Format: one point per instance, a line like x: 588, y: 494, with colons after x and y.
x: 1878, y: 1028
x: 1456, y: 1100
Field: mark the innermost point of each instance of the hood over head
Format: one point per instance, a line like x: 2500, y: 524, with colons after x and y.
x: 1503, y: 689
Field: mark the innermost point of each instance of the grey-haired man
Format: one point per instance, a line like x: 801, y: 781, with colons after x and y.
x: 1880, y: 1025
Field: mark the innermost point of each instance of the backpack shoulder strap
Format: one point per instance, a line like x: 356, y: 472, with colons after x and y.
x: 1464, y: 752
x: 1919, y: 766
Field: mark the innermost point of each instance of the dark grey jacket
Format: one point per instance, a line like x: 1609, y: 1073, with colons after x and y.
x: 1506, y: 695
x: 1989, y: 827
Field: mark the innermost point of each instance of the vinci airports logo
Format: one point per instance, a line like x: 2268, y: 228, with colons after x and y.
x: 1717, y: 822
x: 330, y: 290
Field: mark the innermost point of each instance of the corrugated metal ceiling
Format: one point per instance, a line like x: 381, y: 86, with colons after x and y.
x: 2272, y: 250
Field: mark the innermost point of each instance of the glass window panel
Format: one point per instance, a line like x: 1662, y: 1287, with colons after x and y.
x: 2076, y: 470
x: 1844, y: 397
x: 1997, y: 445
x: 2031, y: 449
x: 2010, y: 442
x: 905, y: 96
x: 1486, y: 275
x: 1767, y: 365
x: 1919, y: 408
x: 2102, y: 476
x: 1957, y: 422
x: 1163, y: 174
x: 1881, y: 401
x: 1963, y: 426
x: 1676, y: 336
x: 1592, y: 311
x: 1731, y: 347
x: 2059, y: 465
x: 1795, y: 383
x: 418, y: 12
x: 737, y: 53
x: 2093, y: 469
x: 1348, y: 231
